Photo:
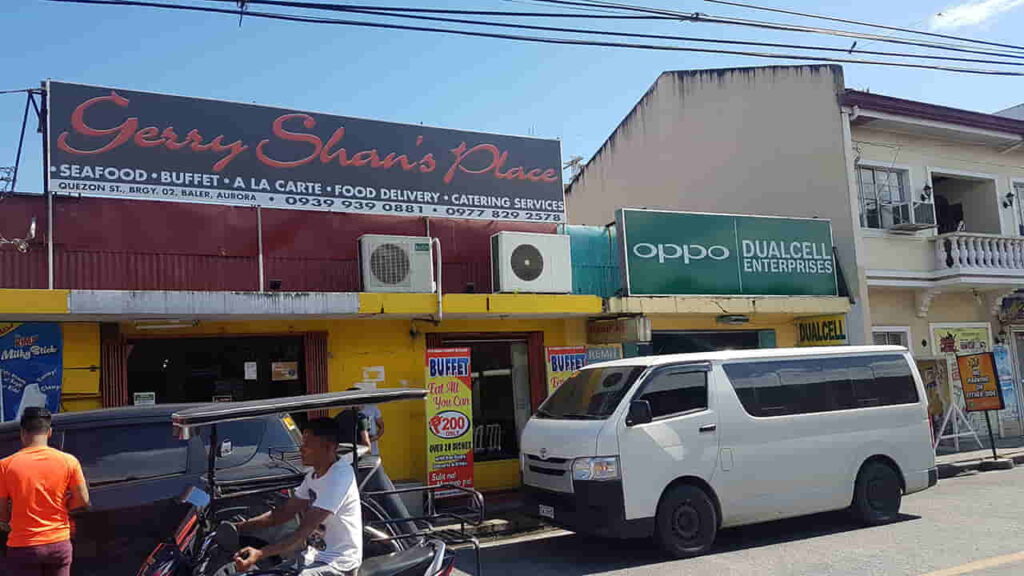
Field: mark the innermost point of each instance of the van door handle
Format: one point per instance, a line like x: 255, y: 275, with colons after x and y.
x: 708, y: 428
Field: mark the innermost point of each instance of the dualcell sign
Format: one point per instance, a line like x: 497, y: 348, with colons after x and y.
x: 674, y: 253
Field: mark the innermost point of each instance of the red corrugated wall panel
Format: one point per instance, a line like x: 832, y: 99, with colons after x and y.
x: 108, y: 244
x: 23, y: 270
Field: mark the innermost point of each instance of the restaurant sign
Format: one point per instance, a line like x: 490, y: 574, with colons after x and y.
x: 115, y: 143
x: 674, y: 253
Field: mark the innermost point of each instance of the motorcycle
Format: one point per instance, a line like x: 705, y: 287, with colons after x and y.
x: 396, y: 543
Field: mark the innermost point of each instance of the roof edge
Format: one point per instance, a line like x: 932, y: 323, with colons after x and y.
x: 934, y: 112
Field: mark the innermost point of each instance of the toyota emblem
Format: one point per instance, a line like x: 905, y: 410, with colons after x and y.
x: 543, y: 453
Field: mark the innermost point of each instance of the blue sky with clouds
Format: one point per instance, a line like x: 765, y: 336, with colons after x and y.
x: 576, y: 94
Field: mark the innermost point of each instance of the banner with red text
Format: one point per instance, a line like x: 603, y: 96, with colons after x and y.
x: 449, y: 417
x: 562, y: 363
x: 116, y: 143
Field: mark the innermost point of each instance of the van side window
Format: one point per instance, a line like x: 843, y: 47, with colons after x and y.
x: 675, y: 392
x: 810, y: 385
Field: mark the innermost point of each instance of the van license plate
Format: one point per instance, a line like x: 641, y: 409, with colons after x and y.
x: 547, y: 512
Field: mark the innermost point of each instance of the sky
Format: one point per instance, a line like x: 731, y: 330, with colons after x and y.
x: 575, y: 94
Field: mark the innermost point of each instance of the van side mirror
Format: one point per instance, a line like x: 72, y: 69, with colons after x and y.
x: 639, y: 413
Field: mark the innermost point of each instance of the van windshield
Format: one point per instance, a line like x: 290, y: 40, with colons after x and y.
x: 591, y: 394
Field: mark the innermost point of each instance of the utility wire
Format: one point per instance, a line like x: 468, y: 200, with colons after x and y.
x: 339, y: 8
x: 869, y: 24
x: 699, y: 17
x: 357, y: 7
x: 542, y: 39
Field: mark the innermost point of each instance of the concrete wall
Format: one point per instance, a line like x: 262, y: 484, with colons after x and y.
x: 746, y: 141
x: 896, y: 307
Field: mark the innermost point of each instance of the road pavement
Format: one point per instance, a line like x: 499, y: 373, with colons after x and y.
x: 969, y: 525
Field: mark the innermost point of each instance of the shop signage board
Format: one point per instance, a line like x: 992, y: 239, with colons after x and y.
x: 449, y: 417
x: 619, y: 330
x: 562, y: 362
x: 116, y: 143
x: 948, y: 340
x: 284, y: 371
x: 31, y: 367
x: 603, y: 353
x: 686, y: 253
x: 980, y: 382
x: 144, y: 399
x: 1009, y: 416
x: 822, y: 331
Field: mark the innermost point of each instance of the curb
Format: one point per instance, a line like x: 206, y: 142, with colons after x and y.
x: 957, y: 468
x: 503, y: 528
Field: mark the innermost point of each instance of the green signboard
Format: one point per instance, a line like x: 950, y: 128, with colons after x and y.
x: 670, y: 253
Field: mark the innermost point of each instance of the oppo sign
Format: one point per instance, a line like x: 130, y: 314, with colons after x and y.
x: 688, y: 252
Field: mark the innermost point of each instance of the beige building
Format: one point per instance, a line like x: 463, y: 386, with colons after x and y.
x: 925, y: 201
x: 756, y: 141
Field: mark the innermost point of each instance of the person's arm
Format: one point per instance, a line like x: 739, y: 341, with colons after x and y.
x: 379, y: 421
x: 276, y: 517
x: 247, y: 557
x: 5, y: 513
x: 78, y: 488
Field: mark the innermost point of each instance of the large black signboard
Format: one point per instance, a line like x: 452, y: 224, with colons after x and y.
x: 123, y: 144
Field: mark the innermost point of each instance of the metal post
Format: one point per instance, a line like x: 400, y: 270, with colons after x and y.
x: 211, y: 464
x: 991, y: 437
x: 259, y: 240
x: 42, y: 112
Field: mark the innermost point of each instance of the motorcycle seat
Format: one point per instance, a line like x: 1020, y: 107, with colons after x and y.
x: 398, y: 563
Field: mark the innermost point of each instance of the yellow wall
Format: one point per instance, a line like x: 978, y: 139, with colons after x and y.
x: 893, y: 307
x: 81, y: 380
x: 399, y: 345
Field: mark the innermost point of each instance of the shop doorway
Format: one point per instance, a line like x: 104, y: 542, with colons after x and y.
x: 216, y: 369
x: 503, y: 378
x: 686, y: 342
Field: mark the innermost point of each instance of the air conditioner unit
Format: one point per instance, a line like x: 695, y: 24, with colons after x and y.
x: 922, y: 212
x: 396, y: 263
x: 525, y: 262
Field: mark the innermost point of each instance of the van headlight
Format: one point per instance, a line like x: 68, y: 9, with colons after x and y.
x: 600, y: 468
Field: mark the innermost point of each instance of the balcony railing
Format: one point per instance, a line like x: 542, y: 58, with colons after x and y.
x: 984, y: 253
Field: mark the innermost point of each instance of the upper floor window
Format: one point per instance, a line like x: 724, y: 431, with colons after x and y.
x: 883, y: 194
x: 1018, y: 192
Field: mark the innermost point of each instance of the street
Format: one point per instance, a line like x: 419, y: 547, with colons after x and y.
x: 966, y: 525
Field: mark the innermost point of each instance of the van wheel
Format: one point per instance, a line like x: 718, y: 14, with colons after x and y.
x: 877, y: 495
x: 686, y: 523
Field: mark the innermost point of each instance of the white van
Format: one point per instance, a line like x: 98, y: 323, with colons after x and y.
x: 679, y: 446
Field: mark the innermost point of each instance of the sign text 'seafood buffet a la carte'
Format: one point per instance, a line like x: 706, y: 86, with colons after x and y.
x: 118, y: 143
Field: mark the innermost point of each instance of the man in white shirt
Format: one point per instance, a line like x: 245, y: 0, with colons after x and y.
x: 328, y: 499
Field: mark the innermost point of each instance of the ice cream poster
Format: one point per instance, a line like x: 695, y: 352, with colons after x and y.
x: 30, y: 367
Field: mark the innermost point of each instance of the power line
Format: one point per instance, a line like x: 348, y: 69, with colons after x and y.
x: 869, y: 24
x: 400, y: 9
x: 345, y: 8
x: 699, y: 17
x: 541, y: 39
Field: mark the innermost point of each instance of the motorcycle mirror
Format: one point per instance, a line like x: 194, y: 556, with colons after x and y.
x: 195, y: 496
x: 226, y: 536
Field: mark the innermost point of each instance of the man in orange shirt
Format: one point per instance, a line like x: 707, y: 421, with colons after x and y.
x: 39, y: 487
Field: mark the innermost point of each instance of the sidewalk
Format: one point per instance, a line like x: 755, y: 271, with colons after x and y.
x: 970, y: 457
